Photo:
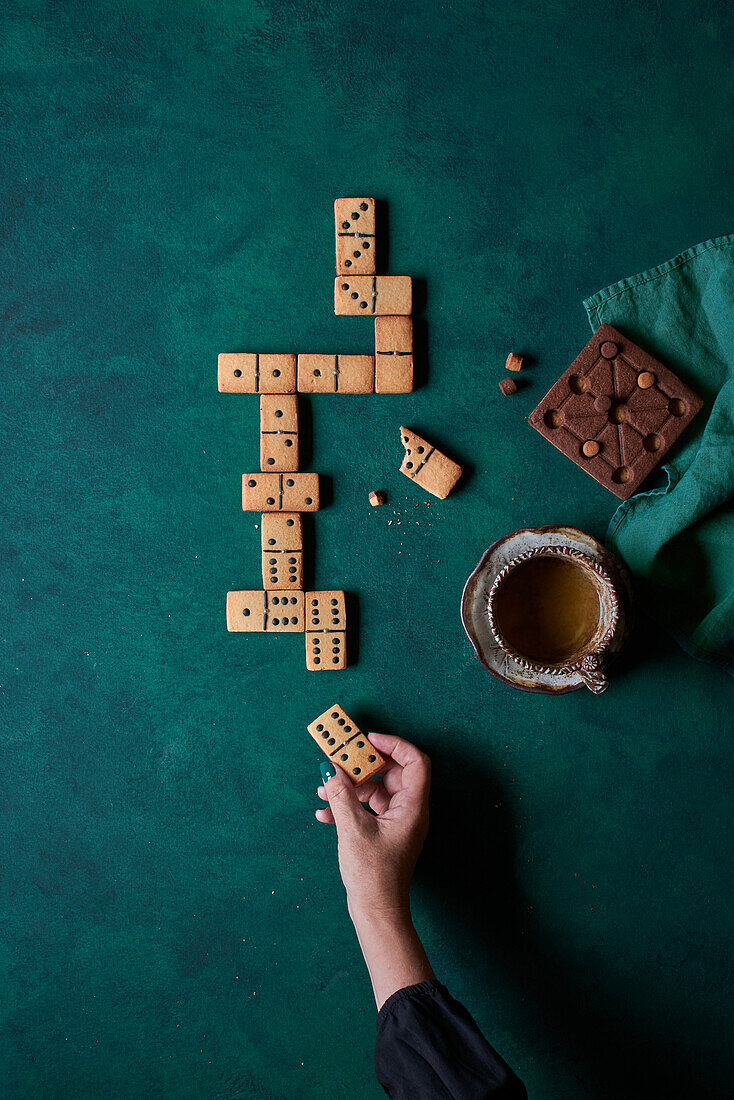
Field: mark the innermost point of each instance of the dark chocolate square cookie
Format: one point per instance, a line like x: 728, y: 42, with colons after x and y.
x: 616, y: 411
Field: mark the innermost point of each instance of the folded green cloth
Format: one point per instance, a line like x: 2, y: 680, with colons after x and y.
x: 678, y: 540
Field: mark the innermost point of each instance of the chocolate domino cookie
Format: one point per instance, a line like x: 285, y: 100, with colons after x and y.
x: 616, y: 411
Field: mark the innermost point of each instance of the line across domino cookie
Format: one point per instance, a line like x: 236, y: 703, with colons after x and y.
x: 344, y: 743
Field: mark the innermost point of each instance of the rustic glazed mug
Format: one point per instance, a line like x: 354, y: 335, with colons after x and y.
x: 554, y: 609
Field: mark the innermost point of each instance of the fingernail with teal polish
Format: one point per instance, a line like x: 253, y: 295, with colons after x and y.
x: 328, y: 771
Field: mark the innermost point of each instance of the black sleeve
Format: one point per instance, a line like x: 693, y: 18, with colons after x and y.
x: 429, y: 1047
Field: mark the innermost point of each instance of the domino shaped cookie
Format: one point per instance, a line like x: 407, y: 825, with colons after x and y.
x: 279, y: 432
x: 264, y: 492
x: 281, y: 542
x: 354, y: 224
x: 344, y: 743
x: 427, y: 466
x: 393, y: 354
x: 326, y: 631
x: 386, y: 295
x: 251, y: 372
x: 336, y: 373
x: 259, y: 612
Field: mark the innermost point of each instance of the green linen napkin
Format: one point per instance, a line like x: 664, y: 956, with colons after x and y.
x: 678, y: 539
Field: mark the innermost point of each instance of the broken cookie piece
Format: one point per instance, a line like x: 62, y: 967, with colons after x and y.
x: 427, y: 466
x: 376, y: 498
x: 514, y: 361
x: 508, y: 386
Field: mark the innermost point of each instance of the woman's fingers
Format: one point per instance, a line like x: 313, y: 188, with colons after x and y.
x: 366, y: 790
x: 414, y: 774
x: 379, y: 800
x: 372, y: 794
x: 406, y: 770
x: 401, y: 751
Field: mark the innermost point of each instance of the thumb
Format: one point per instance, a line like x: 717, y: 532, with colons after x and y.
x: 343, y: 800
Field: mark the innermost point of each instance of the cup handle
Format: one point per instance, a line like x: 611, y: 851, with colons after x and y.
x: 591, y: 671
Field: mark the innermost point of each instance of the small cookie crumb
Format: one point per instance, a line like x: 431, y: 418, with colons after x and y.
x: 376, y: 498
x: 508, y: 386
x: 514, y: 361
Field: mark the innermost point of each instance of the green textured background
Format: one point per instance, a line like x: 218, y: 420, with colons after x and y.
x: 173, y: 921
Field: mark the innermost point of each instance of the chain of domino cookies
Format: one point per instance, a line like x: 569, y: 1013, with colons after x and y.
x: 279, y: 490
x: 343, y: 742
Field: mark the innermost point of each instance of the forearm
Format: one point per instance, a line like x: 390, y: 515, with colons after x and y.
x: 392, y: 950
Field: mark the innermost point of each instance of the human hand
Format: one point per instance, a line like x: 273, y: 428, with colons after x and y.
x: 378, y: 851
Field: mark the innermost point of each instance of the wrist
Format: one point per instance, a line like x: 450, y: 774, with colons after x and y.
x: 391, y: 947
x: 382, y: 915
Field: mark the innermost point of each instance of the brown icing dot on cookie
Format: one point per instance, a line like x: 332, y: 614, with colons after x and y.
x: 646, y: 380
x: 591, y: 448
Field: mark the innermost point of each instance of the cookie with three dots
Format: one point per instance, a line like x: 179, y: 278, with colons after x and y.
x: 354, y: 223
x: 279, y: 432
x: 616, y: 411
x: 377, y: 295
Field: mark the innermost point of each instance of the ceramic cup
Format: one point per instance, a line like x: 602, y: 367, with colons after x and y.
x: 554, y: 609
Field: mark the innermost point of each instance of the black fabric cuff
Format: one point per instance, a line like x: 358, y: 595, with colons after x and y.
x: 429, y: 986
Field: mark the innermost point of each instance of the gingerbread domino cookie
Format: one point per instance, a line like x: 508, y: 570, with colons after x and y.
x: 393, y: 354
x: 279, y: 432
x: 354, y: 223
x: 264, y: 492
x: 325, y: 373
x: 251, y: 372
x: 427, y: 466
x: 265, y: 612
x: 326, y: 626
x: 281, y: 546
x: 384, y: 295
x: 344, y: 743
x: 616, y: 411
